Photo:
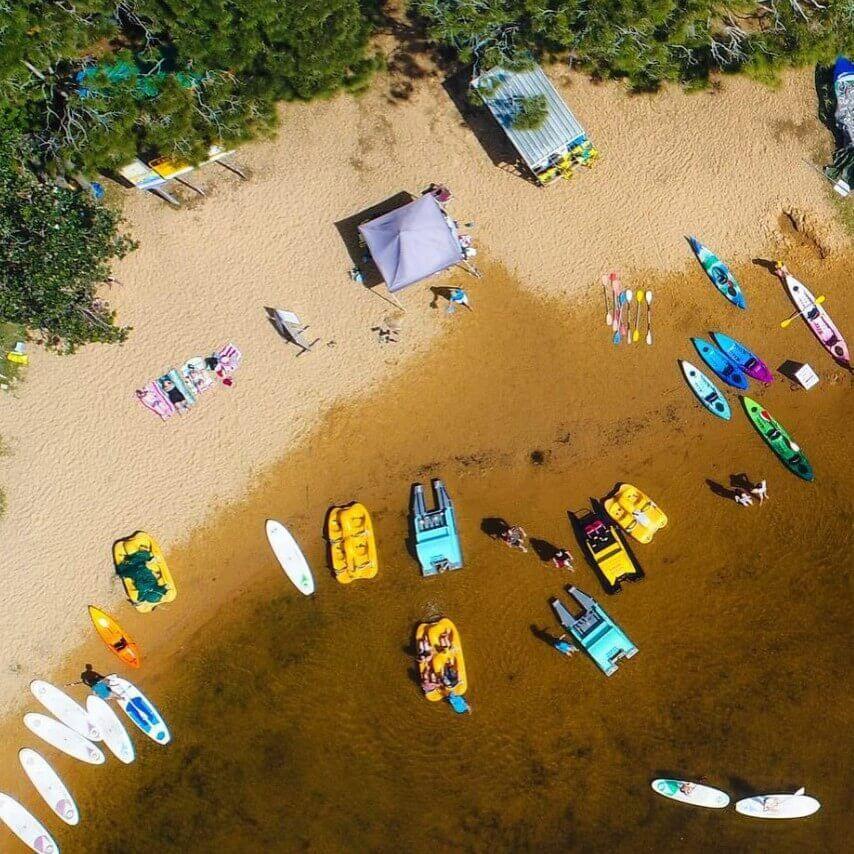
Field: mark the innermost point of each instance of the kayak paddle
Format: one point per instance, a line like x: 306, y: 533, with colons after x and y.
x: 640, y: 298
x: 785, y: 323
x: 606, y: 280
x: 625, y: 327
x: 649, y: 317
x: 615, y: 287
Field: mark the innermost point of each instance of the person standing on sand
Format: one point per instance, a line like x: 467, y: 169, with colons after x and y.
x: 514, y: 536
x: 456, y: 297
x: 743, y: 498
x: 562, y: 559
x: 96, y: 683
x: 760, y: 490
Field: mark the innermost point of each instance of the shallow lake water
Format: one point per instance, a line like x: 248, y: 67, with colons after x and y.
x: 298, y: 724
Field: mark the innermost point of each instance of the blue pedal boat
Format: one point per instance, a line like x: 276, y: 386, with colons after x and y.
x: 595, y: 631
x: 434, y: 532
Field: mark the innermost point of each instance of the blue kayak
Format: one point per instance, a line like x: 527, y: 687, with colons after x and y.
x: 724, y: 367
x: 706, y: 391
x: 748, y: 361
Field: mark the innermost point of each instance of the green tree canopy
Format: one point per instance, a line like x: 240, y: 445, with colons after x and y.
x: 56, y: 247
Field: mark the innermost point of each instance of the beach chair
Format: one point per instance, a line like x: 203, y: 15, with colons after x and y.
x: 289, y: 327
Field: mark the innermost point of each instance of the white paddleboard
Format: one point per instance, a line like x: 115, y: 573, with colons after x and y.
x: 64, y: 709
x: 62, y: 738
x: 687, y: 792
x: 288, y: 554
x: 115, y: 735
x: 778, y: 806
x: 140, y: 709
x: 48, y: 785
x: 28, y: 829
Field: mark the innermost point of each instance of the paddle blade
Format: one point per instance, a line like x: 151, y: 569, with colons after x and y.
x: 636, y: 334
x: 608, y: 318
x: 617, y: 337
x: 649, y: 336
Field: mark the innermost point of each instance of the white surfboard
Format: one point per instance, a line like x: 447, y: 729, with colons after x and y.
x: 687, y: 792
x: 115, y: 735
x: 140, y: 709
x: 797, y: 805
x: 48, y: 785
x: 27, y: 828
x: 64, y: 709
x: 63, y: 738
x: 288, y: 554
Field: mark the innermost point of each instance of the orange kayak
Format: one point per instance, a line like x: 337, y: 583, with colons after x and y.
x: 115, y: 637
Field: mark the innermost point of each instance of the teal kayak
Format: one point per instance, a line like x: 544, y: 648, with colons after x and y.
x: 719, y: 273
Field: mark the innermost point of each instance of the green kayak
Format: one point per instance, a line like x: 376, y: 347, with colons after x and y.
x: 778, y: 439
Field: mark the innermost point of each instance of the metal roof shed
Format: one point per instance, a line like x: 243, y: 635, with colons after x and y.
x: 544, y: 148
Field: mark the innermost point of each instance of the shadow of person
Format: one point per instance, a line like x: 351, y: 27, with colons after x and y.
x: 493, y: 526
x: 544, y: 550
x: 741, y: 481
x: 542, y: 634
x: 720, y: 490
x: 439, y: 292
x: 770, y: 266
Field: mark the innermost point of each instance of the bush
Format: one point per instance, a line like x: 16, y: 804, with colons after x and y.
x: 531, y: 113
x: 56, y: 249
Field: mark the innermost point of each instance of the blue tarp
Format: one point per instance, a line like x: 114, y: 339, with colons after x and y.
x: 412, y: 243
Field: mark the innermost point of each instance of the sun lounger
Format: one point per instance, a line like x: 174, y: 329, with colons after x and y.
x: 291, y: 328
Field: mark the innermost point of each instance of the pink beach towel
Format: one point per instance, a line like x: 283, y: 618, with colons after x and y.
x: 229, y: 358
x: 152, y: 397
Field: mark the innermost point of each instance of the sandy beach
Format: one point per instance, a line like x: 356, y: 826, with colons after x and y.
x: 87, y: 464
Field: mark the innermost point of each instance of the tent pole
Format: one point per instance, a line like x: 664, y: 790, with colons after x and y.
x: 472, y: 271
x: 390, y: 298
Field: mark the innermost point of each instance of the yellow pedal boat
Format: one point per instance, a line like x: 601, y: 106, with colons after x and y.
x: 440, y: 659
x: 352, y: 545
x: 635, y: 512
x: 142, y: 542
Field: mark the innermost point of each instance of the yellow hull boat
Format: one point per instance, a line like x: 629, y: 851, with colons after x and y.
x: 352, y: 545
x: 140, y: 541
x: 635, y: 512
x: 444, y: 662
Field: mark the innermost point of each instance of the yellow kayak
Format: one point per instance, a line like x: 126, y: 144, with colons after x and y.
x: 352, y: 545
x: 440, y: 660
x: 142, y: 542
x: 635, y: 512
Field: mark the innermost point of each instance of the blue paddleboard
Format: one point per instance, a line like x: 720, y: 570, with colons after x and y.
x: 706, y: 391
x: 724, y: 367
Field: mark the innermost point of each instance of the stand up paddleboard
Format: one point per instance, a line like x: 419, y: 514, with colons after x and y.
x: 694, y: 794
x: 778, y: 806
x: 290, y: 557
x: 816, y: 318
x: 64, y: 709
x: 27, y: 828
x: 724, y: 367
x: 49, y: 786
x: 139, y: 709
x: 63, y: 738
x: 748, y: 361
x: 115, y: 735
x: 719, y: 273
x: 706, y: 391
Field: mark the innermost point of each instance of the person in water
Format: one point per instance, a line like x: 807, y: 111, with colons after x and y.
x: 514, y: 537
x: 562, y: 559
x: 96, y: 683
x: 743, y: 498
x: 760, y: 490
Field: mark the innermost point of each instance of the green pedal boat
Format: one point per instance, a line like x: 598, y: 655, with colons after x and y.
x: 780, y: 442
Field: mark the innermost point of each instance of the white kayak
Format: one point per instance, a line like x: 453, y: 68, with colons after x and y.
x: 797, y: 805
x: 139, y: 709
x: 27, y: 828
x: 63, y: 738
x: 64, y: 709
x: 288, y: 554
x: 691, y: 793
x: 49, y: 785
x: 115, y: 735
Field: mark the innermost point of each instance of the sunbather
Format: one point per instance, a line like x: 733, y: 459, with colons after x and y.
x: 175, y: 395
x: 514, y: 537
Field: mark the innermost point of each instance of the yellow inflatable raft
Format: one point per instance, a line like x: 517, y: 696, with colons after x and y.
x: 440, y: 659
x: 140, y: 541
x: 352, y: 545
x: 635, y: 512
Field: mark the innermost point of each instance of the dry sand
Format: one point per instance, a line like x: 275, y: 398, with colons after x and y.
x: 88, y: 465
